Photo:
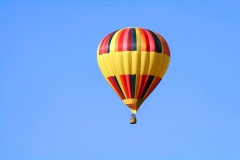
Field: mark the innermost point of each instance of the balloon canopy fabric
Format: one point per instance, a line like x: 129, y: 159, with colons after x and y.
x: 133, y: 61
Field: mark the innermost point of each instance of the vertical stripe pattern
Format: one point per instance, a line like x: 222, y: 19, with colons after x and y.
x: 133, y: 61
x: 127, y: 41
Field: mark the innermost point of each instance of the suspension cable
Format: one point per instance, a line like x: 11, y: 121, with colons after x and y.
x: 141, y: 108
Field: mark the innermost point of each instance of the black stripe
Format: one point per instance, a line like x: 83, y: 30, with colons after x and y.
x: 133, y: 83
x: 149, y: 82
x: 116, y: 81
x: 157, y: 42
x: 134, y: 39
x: 110, y: 41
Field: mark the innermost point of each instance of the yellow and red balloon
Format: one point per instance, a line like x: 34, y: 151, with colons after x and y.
x: 133, y: 61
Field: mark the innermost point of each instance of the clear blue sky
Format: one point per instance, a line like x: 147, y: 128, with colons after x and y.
x: 56, y: 105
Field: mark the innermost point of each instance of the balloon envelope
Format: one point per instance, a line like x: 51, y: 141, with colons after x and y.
x: 133, y: 61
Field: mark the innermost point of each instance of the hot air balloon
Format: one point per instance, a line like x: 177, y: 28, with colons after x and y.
x: 133, y: 61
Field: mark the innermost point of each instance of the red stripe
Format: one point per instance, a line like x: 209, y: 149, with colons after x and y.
x: 144, y: 40
x: 129, y: 40
x: 128, y: 81
x: 153, y: 86
x: 151, y: 41
x: 117, y: 40
x: 120, y: 41
x: 125, y: 85
x: 115, y: 86
x: 104, y: 45
x: 166, y: 49
x: 101, y: 46
x: 125, y: 40
x: 141, y: 85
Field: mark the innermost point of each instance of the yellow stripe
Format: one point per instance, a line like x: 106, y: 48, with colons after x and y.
x: 137, y: 59
x: 116, y: 60
x: 106, y: 59
x: 145, y: 58
x: 102, y: 66
x: 104, y: 71
x: 127, y: 62
x: 164, y: 66
x: 114, y: 43
x: 157, y: 65
x: 165, y: 59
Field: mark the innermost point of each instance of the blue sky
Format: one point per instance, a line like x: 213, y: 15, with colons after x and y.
x: 56, y: 105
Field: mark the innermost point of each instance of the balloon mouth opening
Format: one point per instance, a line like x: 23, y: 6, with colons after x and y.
x: 133, y: 104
